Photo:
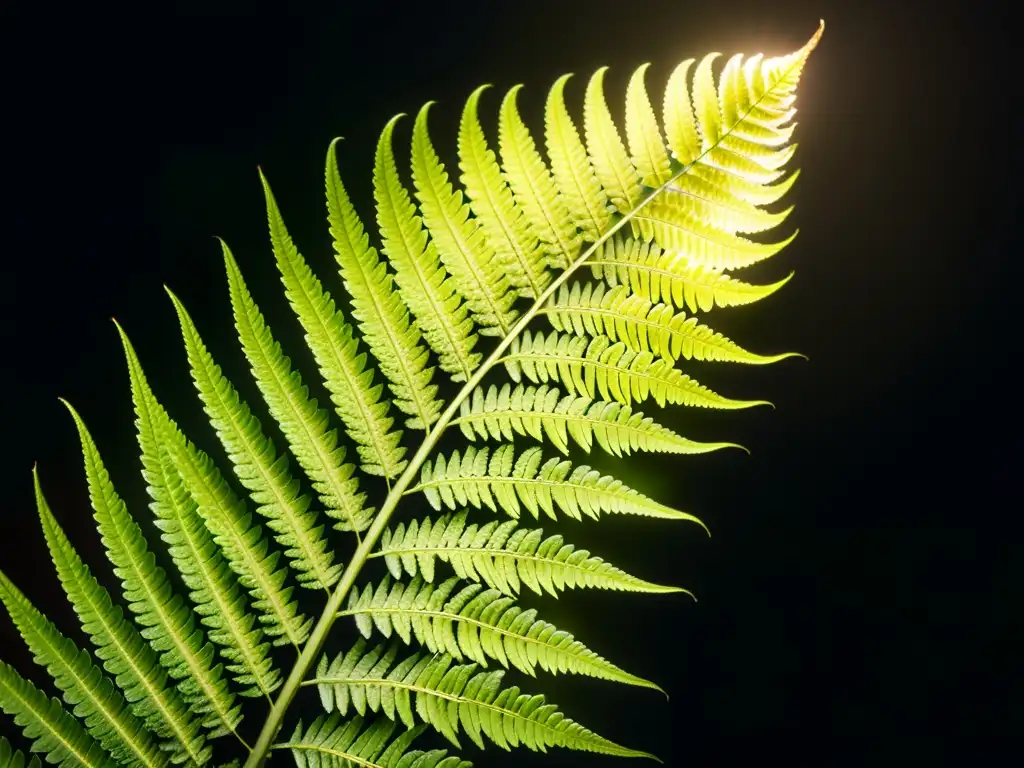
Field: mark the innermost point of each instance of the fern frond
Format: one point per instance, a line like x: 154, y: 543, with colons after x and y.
x: 661, y: 215
x: 713, y: 199
x: 15, y: 758
x: 731, y: 135
x: 168, y: 623
x: 533, y: 187
x: 450, y: 697
x: 475, y: 623
x: 705, y: 104
x: 670, y: 221
x: 52, y: 730
x: 505, y: 226
x: 305, y: 425
x: 502, y: 557
x: 336, y: 350
x: 257, y: 464
x: 214, y: 591
x: 612, y: 164
x: 591, y: 309
x: 664, y: 276
x: 544, y: 412
x: 424, y: 284
x: 598, y: 367
x: 677, y: 108
x: 643, y: 134
x: 732, y: 202
x: 91, y: 695
x: 717, y: 113
x: 460, y: 242
x: 574, y: 176
x: 330, y: 742
x: 240, y: 539
x: 504, y: 481
x: 377, y: 306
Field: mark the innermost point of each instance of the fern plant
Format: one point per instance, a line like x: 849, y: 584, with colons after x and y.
x: 558, y: 296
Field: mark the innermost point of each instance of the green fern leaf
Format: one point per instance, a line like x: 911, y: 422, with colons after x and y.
x: 534, y: 188
x: 463, y: 249
x: 242, y: 541
x: 661, y: 221
x: 598, y: 367
x: 711, y: 198
x: 643, y: 134
x: 330, y: 742
x: 670, y: 220
x: 214, y: 592
x: 505, y: 226
x: 502, y: 557
x: 14, y: 758
x: 642, y: 326
x: 448, y: 697
x: 705, y: 101
x: 305, y: 426
x: 475, y: 623
x: 336, y: 351
x: 168, y: 624
x: 612, y: 165
x: 258, y: 465
x: 376, y: 305
x: 544, y: 412
x: 93, y: 697
x: 663, y: 276
x: 52, y: 730
x: 503, y: 482
x: 441, y: 315
x: 680, y: 128
x: 574, y: 176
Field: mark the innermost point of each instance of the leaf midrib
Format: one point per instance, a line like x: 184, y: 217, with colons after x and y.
x: 454, y: 230
x: 522, y: 144
x: 443, y: 553
x: 265, y: 349
x: 649, y: 429
x: 392, y: 335
x: 543, y: 482
x: 348, y: 756
x: 83, y: 685
x: 213, y: 587
x: 351, y: 381
x: 170, y: 627
x: 43, y: 717
x: 679, y: 389
x: 287, y: 514
x: 715, y: 339
x: 479, y: 158
x: 229, y: 526
x: 439, y: 315
x: 462, y: 700
x: 596, y: 661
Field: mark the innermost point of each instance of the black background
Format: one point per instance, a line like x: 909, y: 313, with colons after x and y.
x: 855, y: 598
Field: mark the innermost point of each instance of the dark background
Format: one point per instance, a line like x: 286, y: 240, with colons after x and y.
x: 855, y: 599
